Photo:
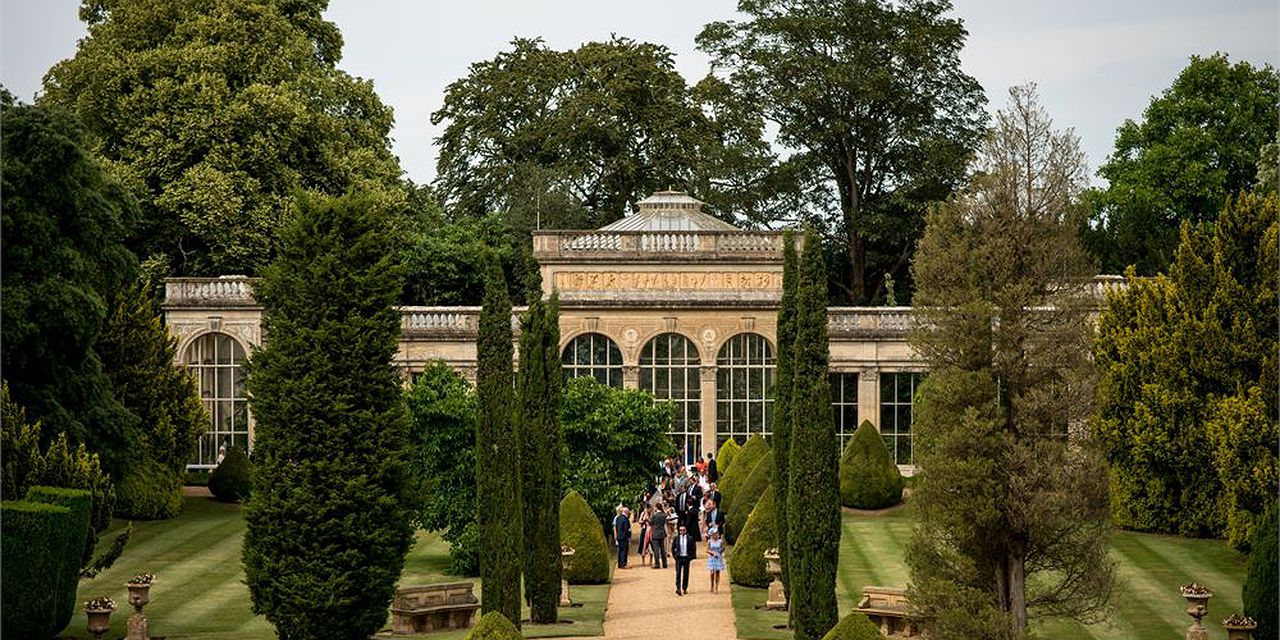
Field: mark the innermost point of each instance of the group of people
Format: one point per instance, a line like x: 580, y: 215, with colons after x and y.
x: 679, y: 510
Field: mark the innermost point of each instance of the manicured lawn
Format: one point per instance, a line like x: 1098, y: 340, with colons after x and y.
x: 1146, y: 604
x: 200, y: 592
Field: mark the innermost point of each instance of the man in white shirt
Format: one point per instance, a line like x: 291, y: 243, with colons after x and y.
x: 683, y: 550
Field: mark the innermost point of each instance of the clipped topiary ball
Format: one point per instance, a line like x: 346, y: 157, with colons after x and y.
x: 855, y: 626
x: 868, y: 477
x: 580, y: 530
x: 744, y: 462
x: 746, y: 562
x: 150, y: 491
x: 749, y: 492
x: 230, y: 481
x: 1260, y: 594
x: 725, y: 455
x: 494, y: 626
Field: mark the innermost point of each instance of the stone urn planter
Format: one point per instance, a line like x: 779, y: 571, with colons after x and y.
x: 99, y: 612
x: 1239, y: 627
x: 566, y: 559
x: 1197, y: 607
x: 139, y: 587
x: 777, y: 599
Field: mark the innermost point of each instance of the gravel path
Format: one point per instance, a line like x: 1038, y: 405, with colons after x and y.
x: 643, y: 603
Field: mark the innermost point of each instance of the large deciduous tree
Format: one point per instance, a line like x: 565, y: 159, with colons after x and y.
x: 1011, y: 492
x: 64, y: 221
x: 215, y: 114
x: 1197, y: 143
x: 539, y: 384
x: 873, y: 93
x: 497, y: 471
x: 813, y: 482
x: 331, y: 516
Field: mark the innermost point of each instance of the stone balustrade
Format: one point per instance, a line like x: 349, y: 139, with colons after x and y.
x: 758, y: 245
x: 868, y: 322
x: 448, y: 322
x: 226, y: 291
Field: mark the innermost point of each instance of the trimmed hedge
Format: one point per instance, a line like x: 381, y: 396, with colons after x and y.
x: 1260, y: 594
x: 79, y: 505
x: 749, y: 492
x: 868, y: 477
x: 150, y: 491
x: 746, y: 563
x: 232, y: 480
x: 35, y: 541
x: 725, y: 455
x: 855, y: 626
x: 744, y: 462
x: 580, y: 530
x: 494, y: 626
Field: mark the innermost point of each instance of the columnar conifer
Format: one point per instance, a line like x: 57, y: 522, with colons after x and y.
x: 500, y: 513
x: 783, y: 387
x: 329, y: 521
x: 540, y: 384
x: 813, y: 509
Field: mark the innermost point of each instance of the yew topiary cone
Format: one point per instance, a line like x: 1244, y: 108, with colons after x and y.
x: 581, y: 531
x: 868, y: 477
x: 749, y: 492
x: 746, y: 563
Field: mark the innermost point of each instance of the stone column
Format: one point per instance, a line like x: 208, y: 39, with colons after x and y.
x: 708, y: 408
x: 630, y: 376
x: 869, y: 396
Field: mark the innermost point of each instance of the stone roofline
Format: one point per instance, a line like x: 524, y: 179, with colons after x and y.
x: 604, y: 246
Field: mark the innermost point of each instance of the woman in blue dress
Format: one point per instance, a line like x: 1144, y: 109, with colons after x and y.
x: 715, y: 557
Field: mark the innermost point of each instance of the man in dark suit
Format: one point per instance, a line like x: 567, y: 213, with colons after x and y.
x: 713, y: 474
x: 683, y: 550
x: 714, y: 494
x: 658, y: 536
x: 694, y: 500
x: 622, y: 535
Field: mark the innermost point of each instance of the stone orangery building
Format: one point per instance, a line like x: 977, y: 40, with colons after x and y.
x: 668, y: 300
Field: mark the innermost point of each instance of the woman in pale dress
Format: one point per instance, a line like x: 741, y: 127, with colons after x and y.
x: 715, y: 558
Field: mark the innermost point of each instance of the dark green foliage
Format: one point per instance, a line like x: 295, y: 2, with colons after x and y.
x: 232, y: 479
x: 74, y: 554
x: 494, y: 626
x: 749, y: 492
x: 331, y: 516
x: 1187, y: 399
x: 442, y: 408
x: 64, y: 223
x: 497, y: 453
x: 855, y: 626
x: 868, y: 477
x: 744, y: 462
x: 813, y: 489
x: 747, y: 566
x: 1197, y: 144
x: 784, y: 386
x: 1261, y: 593
x: 34, y: 539
x: 728, y: 451
x: 611, y: 436
x: 138, y: 354
x: 149, y: 491
x: 217, y: 114
x: 580, y: 530
x: 539, y: 385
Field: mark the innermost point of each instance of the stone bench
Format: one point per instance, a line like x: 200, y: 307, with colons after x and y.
x: 888, y: 609
x: 433, y: 607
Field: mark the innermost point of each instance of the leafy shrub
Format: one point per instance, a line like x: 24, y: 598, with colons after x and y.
x: 868, y: 477
x: 34, y: 543
x: 149, y: 491
x: 74, y: 555
x: 725, y: 455
x: 744, y: 462
x: 746, y: 562
x: 494, y: 626
x: 855, y: 626
x: 1261, y: 597
x: 232, y: 480
x: 749, y: 492
x: 582, y: 531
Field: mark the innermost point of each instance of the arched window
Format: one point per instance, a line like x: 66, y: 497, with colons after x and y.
x: 217, y: 362
x: 593, y: 355
x: 744, y: 380
x: 669, y: 369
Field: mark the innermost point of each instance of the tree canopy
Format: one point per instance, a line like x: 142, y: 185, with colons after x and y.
x: 872, y: 93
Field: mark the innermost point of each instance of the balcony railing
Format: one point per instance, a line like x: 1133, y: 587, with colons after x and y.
x: 226, y: 291
x: 758, y: 245
x: 859, y: 322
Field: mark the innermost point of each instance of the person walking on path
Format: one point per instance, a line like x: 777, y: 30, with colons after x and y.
x: 715, y: 558
x: 658, y: 536
x: 622, y: 535
x: 644, y: 541
x: 683, y: 551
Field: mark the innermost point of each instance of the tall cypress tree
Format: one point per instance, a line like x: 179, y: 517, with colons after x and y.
x: 330, y: 519
x: 540, y: 383
x: 497, y: 452
x: 783, y: 388
x: 813, y: 483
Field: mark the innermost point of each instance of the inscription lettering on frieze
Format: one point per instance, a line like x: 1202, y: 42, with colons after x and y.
x: 667, y: 280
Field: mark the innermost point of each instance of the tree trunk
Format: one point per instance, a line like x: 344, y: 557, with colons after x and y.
x: 851, y: 206
x: 1018, y: 586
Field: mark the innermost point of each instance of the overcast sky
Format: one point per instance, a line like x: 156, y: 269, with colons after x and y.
x: 1097, y: 62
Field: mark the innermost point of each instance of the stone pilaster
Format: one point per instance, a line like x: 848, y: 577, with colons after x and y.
x: 708, y: 408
